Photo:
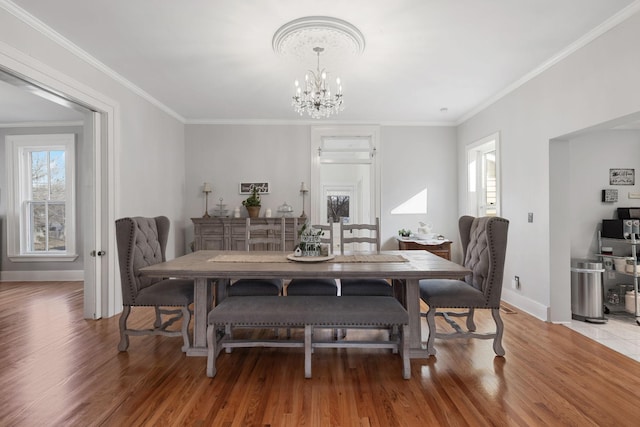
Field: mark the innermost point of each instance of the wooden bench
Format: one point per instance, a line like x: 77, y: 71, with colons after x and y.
x: 308, y: 312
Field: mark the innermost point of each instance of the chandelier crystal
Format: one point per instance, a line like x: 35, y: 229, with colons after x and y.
x: 314, y: 95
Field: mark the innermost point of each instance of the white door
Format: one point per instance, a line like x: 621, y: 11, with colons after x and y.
x: 92, y: 208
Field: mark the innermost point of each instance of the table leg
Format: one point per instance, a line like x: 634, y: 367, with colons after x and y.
x: 201, y: 306
x: 412, y: 295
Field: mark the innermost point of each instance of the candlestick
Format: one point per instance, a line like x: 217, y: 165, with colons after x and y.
x: 206, y: 189
x: 304, y: 190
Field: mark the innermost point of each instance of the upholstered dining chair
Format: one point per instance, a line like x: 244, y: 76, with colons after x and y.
x: 269, y: 236
x: 316, y: 286
x: 484, y: 244
x: 142, y: 242
x: 373, y: 287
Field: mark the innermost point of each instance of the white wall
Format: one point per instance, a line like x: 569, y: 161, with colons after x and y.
x: 595, y: 84
x: 412, y: 158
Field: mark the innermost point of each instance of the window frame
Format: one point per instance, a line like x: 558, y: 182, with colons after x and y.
x: 17, y: 148
x: 477, y: 175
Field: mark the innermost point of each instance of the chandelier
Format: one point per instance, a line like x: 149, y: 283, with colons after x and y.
x: 314, y: 95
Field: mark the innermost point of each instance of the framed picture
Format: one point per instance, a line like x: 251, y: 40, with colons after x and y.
x: 622, y: 177
x: 609, y: 196
x: 247, y: 187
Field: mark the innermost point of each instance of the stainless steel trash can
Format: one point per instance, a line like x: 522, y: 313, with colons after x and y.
x: 586, y: 291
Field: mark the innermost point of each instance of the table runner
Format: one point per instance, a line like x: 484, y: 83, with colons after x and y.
x: 283, y: 258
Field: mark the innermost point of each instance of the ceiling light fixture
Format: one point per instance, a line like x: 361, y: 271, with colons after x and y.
x: 313, y: 35
x: 314, y: 96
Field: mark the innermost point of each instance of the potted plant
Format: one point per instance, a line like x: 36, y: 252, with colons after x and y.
x: 252, y: 203
x: 404, y: 233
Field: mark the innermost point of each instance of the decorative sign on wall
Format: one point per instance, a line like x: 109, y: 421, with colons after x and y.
x: 609, y: 196
x: 622, y: 177
x: 247, y: 187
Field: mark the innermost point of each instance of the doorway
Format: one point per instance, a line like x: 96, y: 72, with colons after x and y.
x: 98, y: 113
x: 345, y: 177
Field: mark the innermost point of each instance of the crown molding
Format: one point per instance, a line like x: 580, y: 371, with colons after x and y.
x: 59, y: 39
x: 267, y: 122
x: 607, y: 25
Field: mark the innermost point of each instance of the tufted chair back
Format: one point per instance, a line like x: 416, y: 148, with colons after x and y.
x: 484, y: 244
x: 141, y: 242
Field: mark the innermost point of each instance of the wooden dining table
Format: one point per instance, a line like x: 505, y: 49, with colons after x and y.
x: 212, y: 271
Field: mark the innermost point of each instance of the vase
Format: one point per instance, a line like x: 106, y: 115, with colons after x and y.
x: 254, y: 211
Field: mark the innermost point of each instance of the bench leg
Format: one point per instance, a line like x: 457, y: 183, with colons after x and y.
x: 431, y: 323
x: 308, y: 333
x: 406, y: 362
x: 211, y: 351
x: 228, y: 332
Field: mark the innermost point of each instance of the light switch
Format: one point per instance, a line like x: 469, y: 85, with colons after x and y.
x: 530, y: 217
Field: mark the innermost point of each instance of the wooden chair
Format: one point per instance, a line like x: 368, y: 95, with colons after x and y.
x: 484, y: 244
x: 142, y: 242
x: 271, y: 237
x: 374, y: 287
x: 315, y: 286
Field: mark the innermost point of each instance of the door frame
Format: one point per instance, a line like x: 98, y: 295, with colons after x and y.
x: 101, y: 295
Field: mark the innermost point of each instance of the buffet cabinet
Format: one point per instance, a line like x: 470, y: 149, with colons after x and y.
x: 222, y: 233
x: 443, y: 249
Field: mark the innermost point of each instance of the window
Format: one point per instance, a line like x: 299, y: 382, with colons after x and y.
x: 41, y: 215
x: 337, y: 207
x: 483, y: 184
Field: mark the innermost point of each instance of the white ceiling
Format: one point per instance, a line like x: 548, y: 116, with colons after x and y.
x: 212, y: 60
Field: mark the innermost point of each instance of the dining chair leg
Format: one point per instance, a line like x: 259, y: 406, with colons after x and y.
x: 124, y: 337
x: 471, y: 326
x: 497, y: 341
x: 158, y: 322
x: 186, y: 319
x: 212, y: 351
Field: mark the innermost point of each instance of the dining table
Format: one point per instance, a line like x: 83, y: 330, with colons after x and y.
x: 213, y: 270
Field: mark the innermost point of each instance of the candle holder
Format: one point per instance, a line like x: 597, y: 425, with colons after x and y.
x: 206, y: 189
x: 304, y: 190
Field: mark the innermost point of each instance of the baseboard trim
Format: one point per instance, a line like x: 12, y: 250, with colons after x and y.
x: 525, y: 304
x: 42, y: 276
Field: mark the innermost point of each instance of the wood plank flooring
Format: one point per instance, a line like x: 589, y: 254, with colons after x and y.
x: 58, y: 369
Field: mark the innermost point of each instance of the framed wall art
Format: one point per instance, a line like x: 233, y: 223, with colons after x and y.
x: 247, y: 187
x: 609, y: 196
x: 622, y: 177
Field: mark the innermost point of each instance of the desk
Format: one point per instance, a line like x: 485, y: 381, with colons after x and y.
x: 197, y: 266
x: 442, y: 249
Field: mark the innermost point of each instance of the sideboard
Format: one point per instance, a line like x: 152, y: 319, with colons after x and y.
x: 435, y: 247
x: 223, y: 233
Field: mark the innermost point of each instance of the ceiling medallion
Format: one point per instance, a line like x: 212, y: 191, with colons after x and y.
x: 316, y: 34
x: 298, y: 37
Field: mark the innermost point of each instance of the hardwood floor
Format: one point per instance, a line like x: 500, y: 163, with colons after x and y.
x: 58, y: 369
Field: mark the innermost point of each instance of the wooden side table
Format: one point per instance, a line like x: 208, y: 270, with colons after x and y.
x: 442, y: 249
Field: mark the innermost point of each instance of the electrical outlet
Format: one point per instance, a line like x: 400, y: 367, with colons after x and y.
x: 516, y: 282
